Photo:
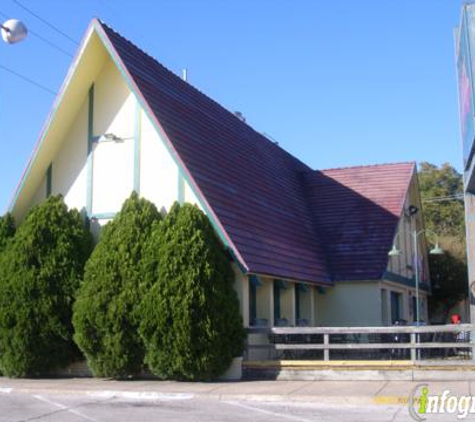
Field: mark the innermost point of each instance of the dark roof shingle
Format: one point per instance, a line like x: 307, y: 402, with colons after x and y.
x: 275, y: 209
x: 357, y: 210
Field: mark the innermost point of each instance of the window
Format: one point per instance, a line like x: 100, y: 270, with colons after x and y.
x: 297, y: 302
x: 303, y: 305
x: 49, y: 180
x: 384, y: 307
x: 414, y: 308
x: 252, y: 303
x: 277, y: 288
x: 395, y: 306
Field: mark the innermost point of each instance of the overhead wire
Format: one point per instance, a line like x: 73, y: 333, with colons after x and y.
x: 54, y: 27
x: 51, y: 44
x: 26, y: 79
x: 40, y: 37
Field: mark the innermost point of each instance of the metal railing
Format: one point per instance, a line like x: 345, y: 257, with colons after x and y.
x: 397, y: 342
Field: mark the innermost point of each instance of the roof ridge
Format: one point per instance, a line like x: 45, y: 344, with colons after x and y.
x: 231, y: 113
x: 368, y: 166
x: 169, y: 70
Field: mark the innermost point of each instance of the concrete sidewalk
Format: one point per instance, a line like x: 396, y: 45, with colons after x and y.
x: 326, y: 392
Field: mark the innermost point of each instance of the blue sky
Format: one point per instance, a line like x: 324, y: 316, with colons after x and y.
x: 336, y: 83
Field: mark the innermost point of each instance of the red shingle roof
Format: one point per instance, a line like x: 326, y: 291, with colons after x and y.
x: 357, y: 210
x: 276, y: 211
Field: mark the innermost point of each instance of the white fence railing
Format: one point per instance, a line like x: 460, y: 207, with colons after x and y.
x: 414, y: 342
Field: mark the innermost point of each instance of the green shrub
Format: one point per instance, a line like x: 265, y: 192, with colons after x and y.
x: 190, y: 319
x: 40, y: 272
x: 105, y: 320
x: 7, y: 230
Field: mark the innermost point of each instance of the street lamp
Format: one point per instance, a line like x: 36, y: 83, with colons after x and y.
x: 436, y: 250
x: 13, y: 31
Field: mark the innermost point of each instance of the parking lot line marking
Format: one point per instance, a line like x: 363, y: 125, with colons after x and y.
x: 65, y: 408
x: 268, y: 412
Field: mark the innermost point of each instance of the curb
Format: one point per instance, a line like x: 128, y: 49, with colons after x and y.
x: 163, y: 396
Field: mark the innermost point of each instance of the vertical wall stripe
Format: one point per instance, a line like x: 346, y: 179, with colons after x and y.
x: 181, y: 187
x: 90, y: 137
x: 137, y: 141
x: 49, y: 180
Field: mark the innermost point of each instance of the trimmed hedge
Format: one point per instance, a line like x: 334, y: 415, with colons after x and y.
x: 105, y: 313
x: 40, y: 272
x: 190, y: 319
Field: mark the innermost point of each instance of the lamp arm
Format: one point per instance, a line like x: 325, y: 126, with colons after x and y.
x: 431, y: 233
x: 395, y: 238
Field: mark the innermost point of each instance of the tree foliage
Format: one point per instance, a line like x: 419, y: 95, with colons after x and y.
x: 190, y: 320
x: 105, y: 317
x: 441, y: 189
x: 7, y: 230
x: 40, y: 271
x: 446, y: 217
x: 449, y: 278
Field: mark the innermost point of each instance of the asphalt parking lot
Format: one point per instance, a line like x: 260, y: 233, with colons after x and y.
x: 35, y: 407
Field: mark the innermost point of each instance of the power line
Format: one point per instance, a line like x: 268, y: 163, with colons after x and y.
x: 40, y: 37
x: 26, y: 79
x: 55, y: 28
x: 51, y: 44
x: 456, y: 197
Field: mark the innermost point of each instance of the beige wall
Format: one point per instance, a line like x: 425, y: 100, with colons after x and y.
x: 287, y: 303
x: 407, y: 293
x: 349, y: 304
x: 241, y: 285
x: 265, y: 301
x: 363, y: 304
x: 307, y: 304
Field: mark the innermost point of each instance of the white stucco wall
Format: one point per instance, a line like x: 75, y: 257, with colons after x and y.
x: 40, y: 194
x: 189, y: 196
x: 158, y: 171
x: 113, y: 162
x: 69, y: 165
